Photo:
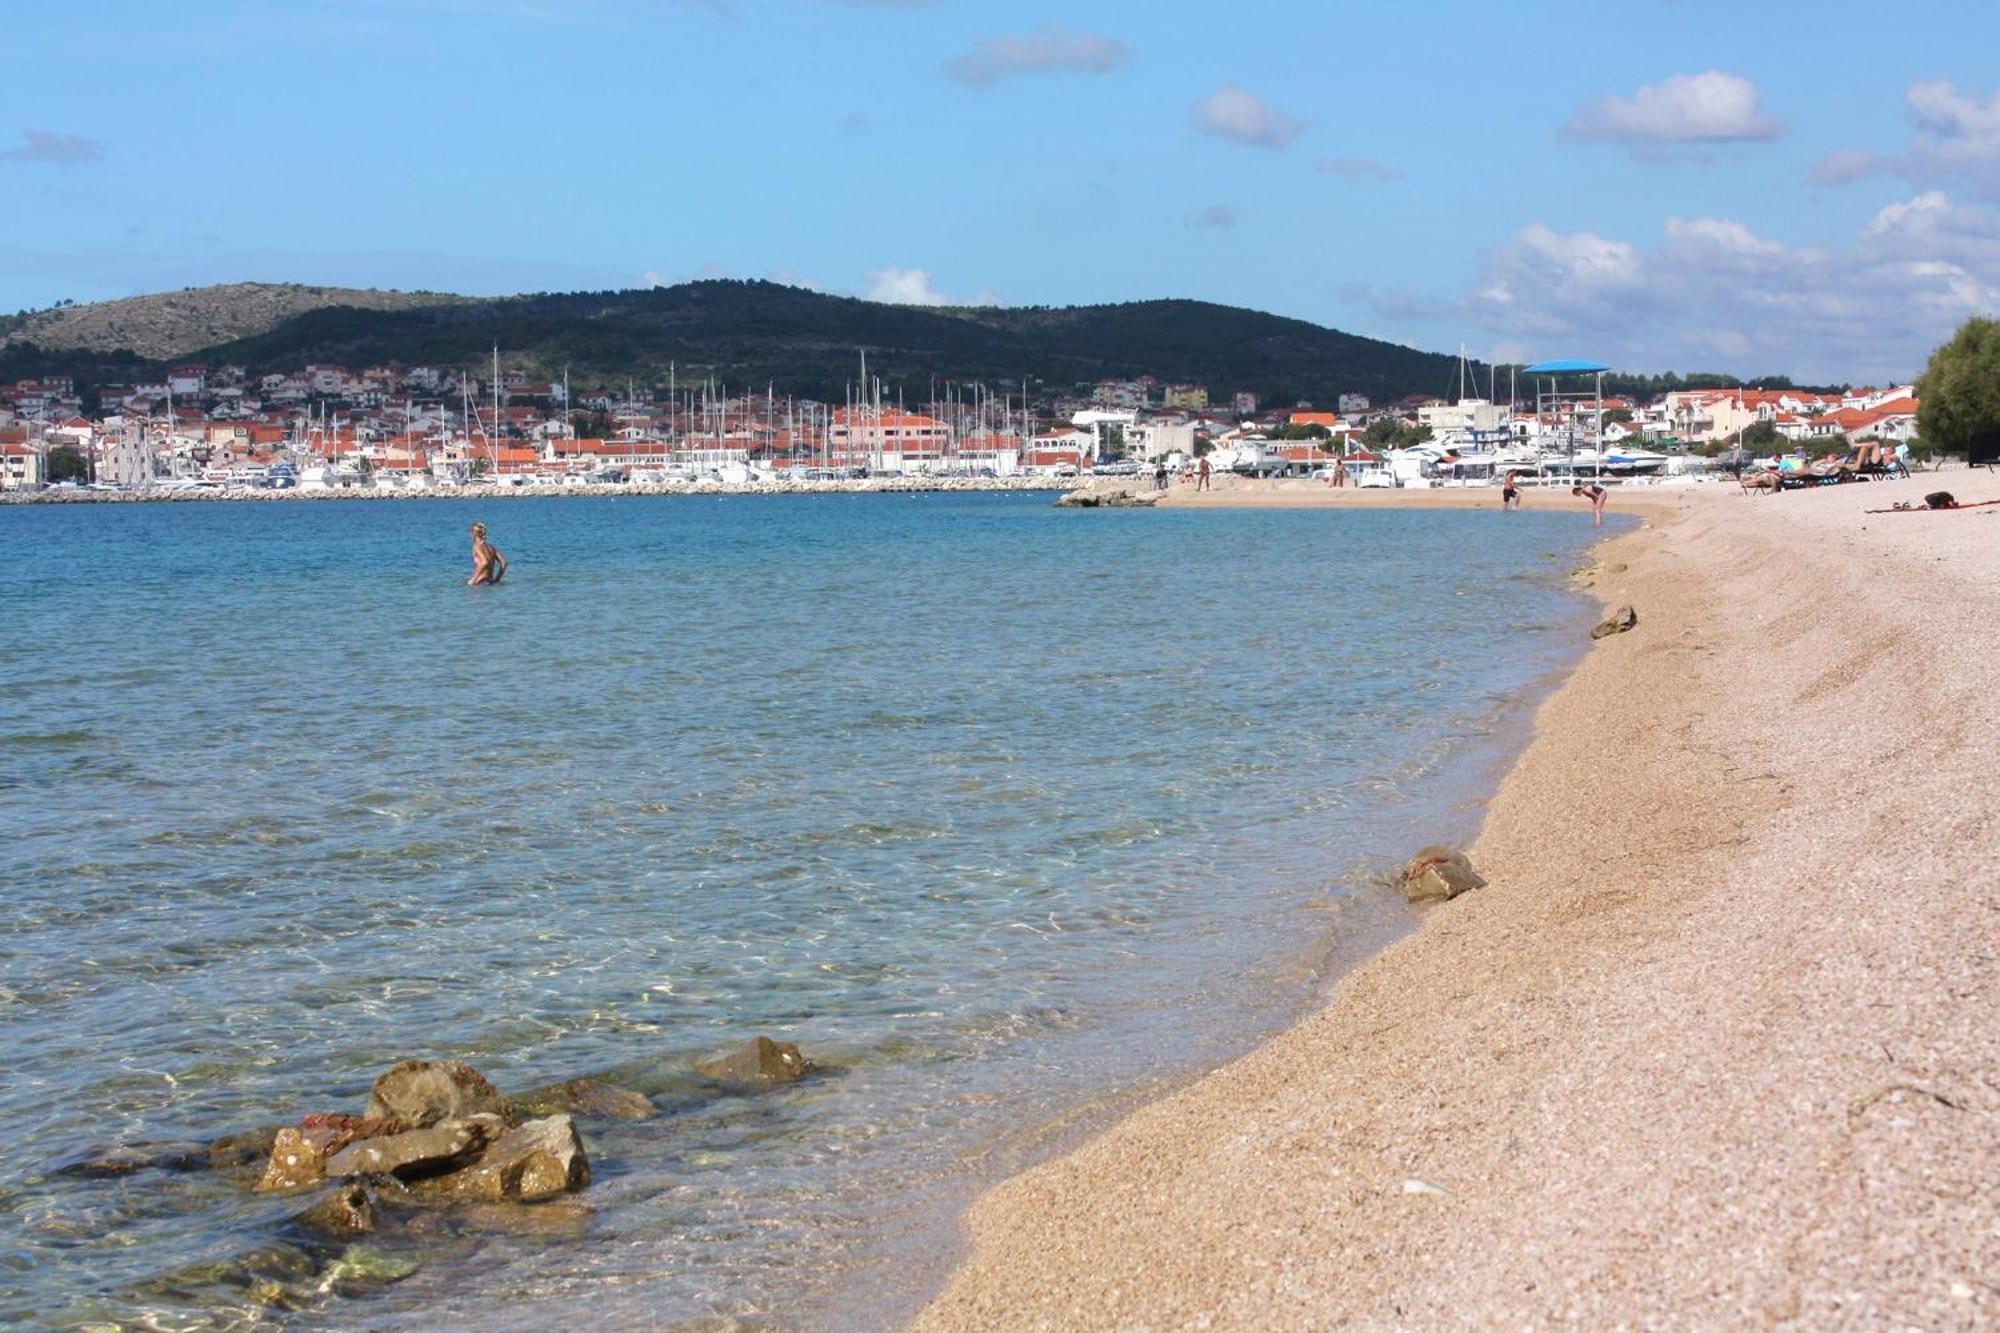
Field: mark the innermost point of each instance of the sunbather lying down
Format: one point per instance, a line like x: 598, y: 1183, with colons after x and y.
x: 1770, y: 479
x: 1935, y: 500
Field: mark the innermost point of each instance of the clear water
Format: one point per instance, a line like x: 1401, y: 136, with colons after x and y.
x: 995, y: 809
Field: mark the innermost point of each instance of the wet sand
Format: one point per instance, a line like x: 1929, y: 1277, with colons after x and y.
x: 1716, y: 1046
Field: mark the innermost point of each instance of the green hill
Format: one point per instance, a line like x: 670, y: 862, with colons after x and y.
x: 807, y: 343
x: 753, y: 334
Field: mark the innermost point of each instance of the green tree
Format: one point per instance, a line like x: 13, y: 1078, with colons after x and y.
x: 1761, y: 435
x: 1388, y: 433
x: 67, y: 463
x: 1959, y: 393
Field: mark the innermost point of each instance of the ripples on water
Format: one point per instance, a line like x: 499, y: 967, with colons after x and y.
x: 991, y: 808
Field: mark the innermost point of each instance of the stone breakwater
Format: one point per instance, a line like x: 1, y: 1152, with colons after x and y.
x: 252, y: 494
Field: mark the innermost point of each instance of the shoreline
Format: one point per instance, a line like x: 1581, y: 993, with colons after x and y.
x: 259, y: 495
x: 1365, y: 916
x: 1714, y: 1045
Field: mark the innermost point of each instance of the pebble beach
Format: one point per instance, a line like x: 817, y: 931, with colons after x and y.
x: 1715, y: 1046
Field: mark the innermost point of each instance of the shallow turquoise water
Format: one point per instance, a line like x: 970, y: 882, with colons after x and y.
x: 989, y: 806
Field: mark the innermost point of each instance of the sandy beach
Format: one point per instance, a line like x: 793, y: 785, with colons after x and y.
x: 1716, y: 1046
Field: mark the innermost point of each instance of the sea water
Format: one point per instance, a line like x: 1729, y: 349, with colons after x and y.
x: 1002, y: 813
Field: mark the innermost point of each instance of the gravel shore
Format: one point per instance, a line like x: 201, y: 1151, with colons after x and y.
x: 1717, y: 1045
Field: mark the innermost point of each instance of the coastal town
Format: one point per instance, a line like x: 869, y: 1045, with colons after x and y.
x: 391, y: 428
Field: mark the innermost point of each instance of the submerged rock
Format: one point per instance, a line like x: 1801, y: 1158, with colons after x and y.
x: 590, y: 1098
x: 124, y: 1159
x: 246, y: 1147
x: 536, y: 1160
x: 294, y: 1163
x: 359, y: 1270
x: 759, y: 1063
x: 430, y: 1151
x: 560, y: 1218
x: 346, y: 1210
x: 1438, y: 874
x: 416, y: 1094
x: 1621, y: 620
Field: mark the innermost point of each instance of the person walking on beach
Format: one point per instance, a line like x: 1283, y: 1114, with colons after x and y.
x: 488, y: 565
x: 1339, y: 473
x: 1510, y: 497
x: 1201, y: 474
x: 1160, y: 474
x: 1597, y: 495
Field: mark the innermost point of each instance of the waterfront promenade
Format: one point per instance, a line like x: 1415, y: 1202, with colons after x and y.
x: 1714, y: 1048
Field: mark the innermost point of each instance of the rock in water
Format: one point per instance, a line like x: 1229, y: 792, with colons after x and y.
x: 294, y: 1163
x: 346, y: 1210
x: 126, y: 1158
x: 417, y: 1093
x: 536, y: 1160
x: 244, y: 1148
x: 761, y: 1063
x: 588, y: 1097
x: 331, y: 1133
x: 1438, y: 874
x: 1624, y: 618
x: 416, y: 1152
x: 1107, y: 500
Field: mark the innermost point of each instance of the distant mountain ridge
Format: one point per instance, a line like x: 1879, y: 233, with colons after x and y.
x: 168, y: 325
x: 747, y: 334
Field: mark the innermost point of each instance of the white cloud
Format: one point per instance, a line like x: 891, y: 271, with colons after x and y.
x: 45, y: 147
x: 1711, y: 294
x: 1050, y: 49
x: 1684, y: 111
x: 913, y: 286
x: 785, y: 276
x: 1212, y: 217
x: 1957, y: 140
x: 1246, y: 118
x: 1357, y: 168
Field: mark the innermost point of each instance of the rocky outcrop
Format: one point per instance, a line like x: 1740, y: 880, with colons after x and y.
x: 590, y: 1098
x: 1438, y: 874
x: 417, y: 1153
x: 760, y: 1063
x: 294, y: 1163
x: 539, y: 1159
x: 417, y: 1093
x: 1618, y: 622
x: 1108, y: 500
x: 331, y: 1133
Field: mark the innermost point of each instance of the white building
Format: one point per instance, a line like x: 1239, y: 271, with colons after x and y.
x: 1157, y: 439
x: 20, y: 467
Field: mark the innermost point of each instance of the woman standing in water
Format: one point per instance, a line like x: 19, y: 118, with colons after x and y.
x: 1597, y: 495
x: 488, y: 565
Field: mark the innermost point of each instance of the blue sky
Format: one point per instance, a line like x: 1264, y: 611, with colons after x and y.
x: 1670, y: 184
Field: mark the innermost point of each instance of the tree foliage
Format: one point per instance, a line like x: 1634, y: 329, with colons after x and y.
x: 67, y: 463
x: 1959, y: 394
x: 1760, y: 435
x: 1389, y: 433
